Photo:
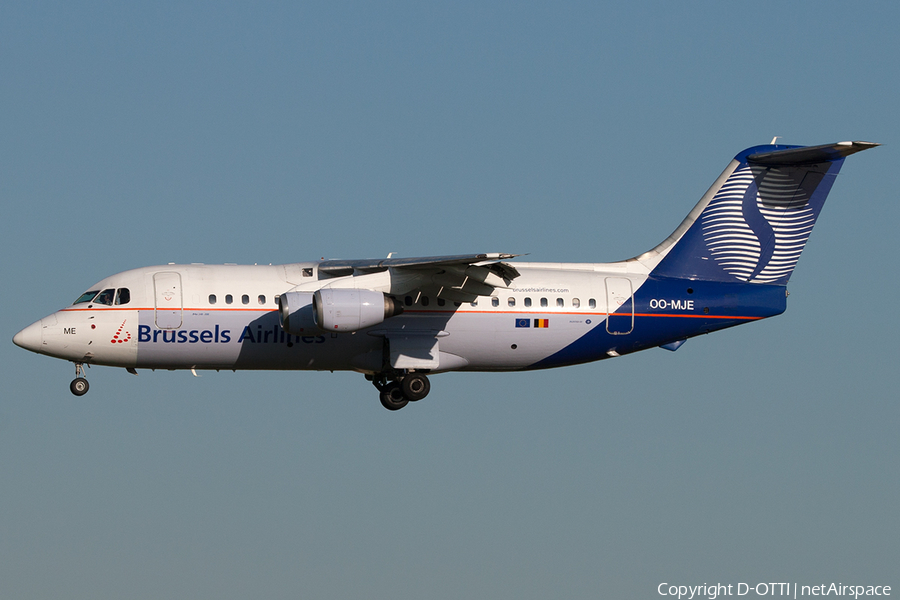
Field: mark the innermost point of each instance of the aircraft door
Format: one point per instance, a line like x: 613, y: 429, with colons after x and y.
x: 167, y: 291
x: 619, y: 305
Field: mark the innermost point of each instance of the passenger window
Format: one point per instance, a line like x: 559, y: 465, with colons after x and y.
x: 407, y: 301
x: 123, y: 296
x: 527, y: 302
x: 105, y: 297
x: 457, y: 304
x: 474, y: 302
x: 544, y: 302
x: 576, y: 302
x: 424, y: 300
x: 592, y: 303
x: 441, y: 302
x: 212, y: 298
x: 560, y: 303
x: 86, y: 297
x: 228, y: 299
x: 262, y: 299
x: 511, y: 301
x: 495, y: 301
x: 245, y: 299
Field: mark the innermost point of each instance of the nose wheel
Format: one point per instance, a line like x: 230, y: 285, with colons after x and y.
x: 79, y: 385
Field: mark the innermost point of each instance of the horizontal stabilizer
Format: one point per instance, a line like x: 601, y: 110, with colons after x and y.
x: 809, y: 154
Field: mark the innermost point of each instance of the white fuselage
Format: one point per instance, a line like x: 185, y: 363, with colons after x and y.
x: 226, y: 317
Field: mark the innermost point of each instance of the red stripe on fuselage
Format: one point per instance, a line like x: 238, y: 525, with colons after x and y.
x: 438, y: 312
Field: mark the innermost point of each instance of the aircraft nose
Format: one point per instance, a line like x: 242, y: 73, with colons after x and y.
x: 30, y: 338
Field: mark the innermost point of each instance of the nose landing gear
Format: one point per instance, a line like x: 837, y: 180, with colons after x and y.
x: 79, y: 385
x: 396, y: 394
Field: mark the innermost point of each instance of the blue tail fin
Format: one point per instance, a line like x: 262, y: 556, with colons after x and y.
x: 753, y: 223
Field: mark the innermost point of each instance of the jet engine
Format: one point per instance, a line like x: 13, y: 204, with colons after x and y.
x: 338, y: 310
x: 352, y: 310
x: 296, y: 312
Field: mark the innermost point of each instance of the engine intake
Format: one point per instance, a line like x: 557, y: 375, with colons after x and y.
x: 296, y: 312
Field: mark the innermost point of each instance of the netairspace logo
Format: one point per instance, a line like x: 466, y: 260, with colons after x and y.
x: 713, y: 591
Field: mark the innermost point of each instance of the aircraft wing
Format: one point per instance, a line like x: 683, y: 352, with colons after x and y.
x: 460, y: 277
x: 338, y: 268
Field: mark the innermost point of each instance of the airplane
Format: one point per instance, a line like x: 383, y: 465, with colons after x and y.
x: 400, y: 320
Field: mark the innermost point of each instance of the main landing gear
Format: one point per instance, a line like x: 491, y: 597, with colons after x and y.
x: 79, y: 385
x: 396, y: 394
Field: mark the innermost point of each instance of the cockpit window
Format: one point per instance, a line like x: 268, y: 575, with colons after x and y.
x: 123, y: 296
x: 86, y: 297
x: 105, y: 297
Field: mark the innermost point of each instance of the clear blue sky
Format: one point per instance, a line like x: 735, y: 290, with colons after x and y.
x: 140, y: 134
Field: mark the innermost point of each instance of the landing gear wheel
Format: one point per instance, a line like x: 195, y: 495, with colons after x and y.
x: 415, y: 386
x: 79, y: 386
x: 392, y: 397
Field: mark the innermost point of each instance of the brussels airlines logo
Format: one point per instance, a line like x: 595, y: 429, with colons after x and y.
x: 193, y: 336
x: 757, y: 224
x: 121, y: 337
x: 217, y: 335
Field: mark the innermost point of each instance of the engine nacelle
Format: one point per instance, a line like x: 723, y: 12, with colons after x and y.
x: 296, y: 312
x: 352, y: 310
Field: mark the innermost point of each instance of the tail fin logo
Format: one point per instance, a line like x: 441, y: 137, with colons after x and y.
x: 757, y: 224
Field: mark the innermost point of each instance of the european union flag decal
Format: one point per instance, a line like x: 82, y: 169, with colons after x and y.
x: 523, y: 322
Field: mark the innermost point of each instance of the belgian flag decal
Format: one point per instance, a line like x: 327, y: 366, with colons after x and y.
x: 542, y: 323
